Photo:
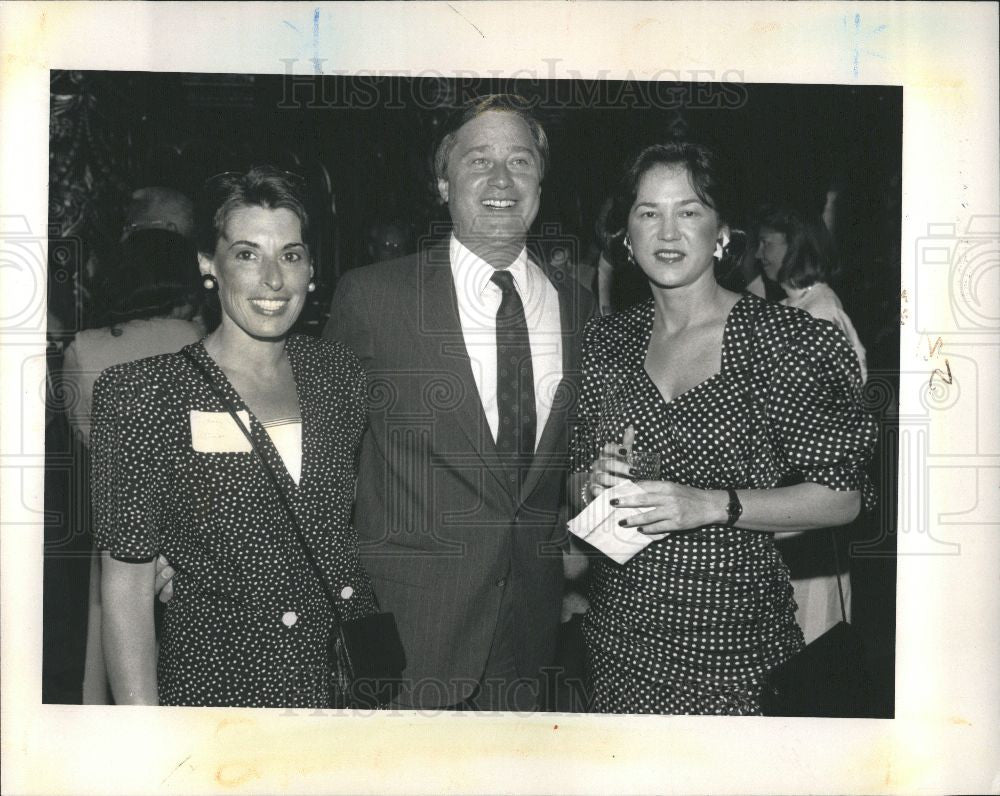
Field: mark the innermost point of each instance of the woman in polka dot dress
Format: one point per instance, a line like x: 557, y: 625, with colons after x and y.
x: 250, y: 619
x: 755, y: 411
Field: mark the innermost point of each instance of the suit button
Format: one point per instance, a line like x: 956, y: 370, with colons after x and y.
x: 501, y: 582
x: 346, y: 593
x: 289, y: 618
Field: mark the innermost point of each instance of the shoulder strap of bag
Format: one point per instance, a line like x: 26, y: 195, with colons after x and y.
x: 836, y: 563
x: 271, y: 476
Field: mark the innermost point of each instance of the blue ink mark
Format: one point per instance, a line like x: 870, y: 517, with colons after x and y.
x: 290, y: 25
x: 859, y: 40
x: 317, y: 63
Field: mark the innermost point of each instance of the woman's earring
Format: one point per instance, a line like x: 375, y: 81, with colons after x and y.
x: 210, y: 282
x: 311, y: 287
x: 628, y: 250
x: 720, y: 246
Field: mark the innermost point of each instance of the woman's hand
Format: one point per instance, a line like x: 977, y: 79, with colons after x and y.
x: 673, y: 507
x: 610, y: 468
x: 164, y: 579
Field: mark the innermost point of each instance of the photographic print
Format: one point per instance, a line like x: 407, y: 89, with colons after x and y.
x: 527, y: 401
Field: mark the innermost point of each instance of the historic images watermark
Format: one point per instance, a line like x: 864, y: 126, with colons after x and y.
x: 552, y: 89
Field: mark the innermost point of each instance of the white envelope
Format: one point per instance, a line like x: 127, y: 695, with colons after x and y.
x: 217, y: 432
x: 598, y: 525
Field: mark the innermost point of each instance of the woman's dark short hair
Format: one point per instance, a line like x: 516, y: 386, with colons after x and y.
x: 809, y: 257
x: 157, y: 273
x: 709, y: 179
x: 507, y: 103
x: 261, y: 186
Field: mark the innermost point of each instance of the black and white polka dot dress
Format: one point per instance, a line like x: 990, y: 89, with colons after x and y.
x: 693, y: 622
x: 249, y: 623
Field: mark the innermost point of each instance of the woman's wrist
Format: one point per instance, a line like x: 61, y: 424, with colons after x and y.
x: 718, y: 507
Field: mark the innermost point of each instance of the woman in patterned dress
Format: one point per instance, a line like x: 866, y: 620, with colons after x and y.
x: 755, y: 411
x: 250, y: 618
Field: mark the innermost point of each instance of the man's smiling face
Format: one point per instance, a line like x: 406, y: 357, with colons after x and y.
x: 493, y: 185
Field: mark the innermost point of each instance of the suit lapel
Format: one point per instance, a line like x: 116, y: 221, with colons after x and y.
x: 442, y: 348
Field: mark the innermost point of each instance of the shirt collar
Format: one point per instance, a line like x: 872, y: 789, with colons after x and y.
x: 473, y: 274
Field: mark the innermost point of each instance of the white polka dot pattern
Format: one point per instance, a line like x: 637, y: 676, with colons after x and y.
x: 692, y: 623
x: 249, y: 623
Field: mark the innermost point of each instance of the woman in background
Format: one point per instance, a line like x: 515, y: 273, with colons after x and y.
x: 795, y: 252
x: 153, y: 306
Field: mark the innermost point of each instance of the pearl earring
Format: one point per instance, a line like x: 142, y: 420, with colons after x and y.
x: 628, y: 249
x: 210, y: 282
x: 311, y: 287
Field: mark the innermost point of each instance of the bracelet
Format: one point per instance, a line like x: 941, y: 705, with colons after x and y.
x: 584, y: 499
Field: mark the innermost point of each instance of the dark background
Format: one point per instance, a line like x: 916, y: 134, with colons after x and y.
x: 364, y: 145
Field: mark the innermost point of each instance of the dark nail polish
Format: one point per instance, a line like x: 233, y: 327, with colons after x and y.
x: 639, y: 529
x: 632, y: 471
x: 623, y: 451
x: 623, y: 523
x: 613, y: 501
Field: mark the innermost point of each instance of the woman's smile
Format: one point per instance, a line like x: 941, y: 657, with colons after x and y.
x: 269, y: 306
x: 668, y: 255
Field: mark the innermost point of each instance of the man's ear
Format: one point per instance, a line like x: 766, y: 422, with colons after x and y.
x: 443, y: 189
x: 205, y: 265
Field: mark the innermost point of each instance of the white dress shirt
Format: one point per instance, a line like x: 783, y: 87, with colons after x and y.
x: 478, y: 302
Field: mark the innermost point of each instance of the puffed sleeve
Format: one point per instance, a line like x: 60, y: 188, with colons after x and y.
x: 819, y: 428
x: 585, y: 442
x: 130, y: 481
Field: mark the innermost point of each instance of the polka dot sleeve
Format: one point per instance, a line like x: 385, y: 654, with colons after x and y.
x: 130, y: 480
x: 817, y: 421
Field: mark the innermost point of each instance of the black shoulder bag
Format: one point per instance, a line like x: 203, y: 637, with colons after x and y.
x: 828, y: 678
x: 366, y: 654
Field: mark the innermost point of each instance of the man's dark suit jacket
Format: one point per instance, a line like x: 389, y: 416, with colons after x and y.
x: 441, y: 527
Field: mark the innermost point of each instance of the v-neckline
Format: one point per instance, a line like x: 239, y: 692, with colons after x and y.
x: 257, y: 429
x: 667, y: 402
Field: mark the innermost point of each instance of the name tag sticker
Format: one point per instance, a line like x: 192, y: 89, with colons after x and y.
x: 217, y: 432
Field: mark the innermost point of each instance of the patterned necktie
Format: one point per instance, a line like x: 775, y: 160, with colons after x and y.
x: 515, y: 381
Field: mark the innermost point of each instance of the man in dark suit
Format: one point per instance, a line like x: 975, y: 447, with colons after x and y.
x: 471, y: 351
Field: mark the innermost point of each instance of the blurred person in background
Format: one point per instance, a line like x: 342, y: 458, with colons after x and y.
x: 152, y: 305
x: 795, y: 252
x: 388, y: 238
